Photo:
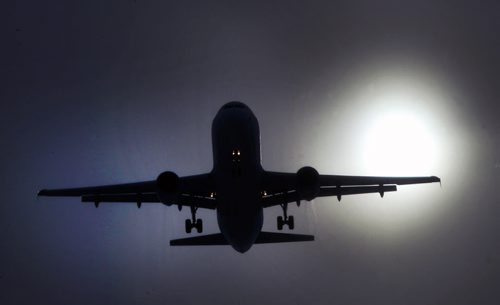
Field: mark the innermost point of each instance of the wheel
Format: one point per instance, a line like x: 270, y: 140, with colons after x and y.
x: 199, y: 225
x: 280, y: 223
x: 189, y: 226
x: 291, y: 223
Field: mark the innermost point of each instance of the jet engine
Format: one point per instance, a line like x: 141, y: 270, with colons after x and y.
x: 168, y: 185
x: 308, y: 183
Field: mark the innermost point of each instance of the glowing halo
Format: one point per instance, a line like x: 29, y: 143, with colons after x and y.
x: 399, y: 142
x: 393, y: 123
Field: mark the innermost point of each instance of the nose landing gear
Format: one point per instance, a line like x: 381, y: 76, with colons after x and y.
x: 285, y: 219
x: 194, y: 222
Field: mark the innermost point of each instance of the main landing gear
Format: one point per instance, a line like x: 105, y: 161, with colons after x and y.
x: 285, y: 219
x: 193, y: 222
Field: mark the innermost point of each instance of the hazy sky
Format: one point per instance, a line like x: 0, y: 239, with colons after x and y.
x: 99, y: 92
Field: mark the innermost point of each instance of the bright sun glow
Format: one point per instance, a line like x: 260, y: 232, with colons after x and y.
x: 400, y: 127
x: 399, y: 142
x: 393, y: 123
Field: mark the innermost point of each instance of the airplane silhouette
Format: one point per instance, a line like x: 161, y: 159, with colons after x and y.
x: 238, y: 188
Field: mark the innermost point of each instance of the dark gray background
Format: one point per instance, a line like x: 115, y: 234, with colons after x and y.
x: 98, y: 92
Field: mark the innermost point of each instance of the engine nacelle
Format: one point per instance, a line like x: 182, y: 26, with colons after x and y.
x: 168, y: 185
x: 308, y: 183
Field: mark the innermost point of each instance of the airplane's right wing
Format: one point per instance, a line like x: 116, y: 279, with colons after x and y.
x: 193, y: 191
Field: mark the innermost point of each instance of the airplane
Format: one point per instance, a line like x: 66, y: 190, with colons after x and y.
x: 238, y: 188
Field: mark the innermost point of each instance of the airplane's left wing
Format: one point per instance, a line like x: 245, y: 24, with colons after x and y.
x: 196, y: 191
x: 280, y: 188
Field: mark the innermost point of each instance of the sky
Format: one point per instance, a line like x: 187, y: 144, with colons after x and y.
x: 108, y: 92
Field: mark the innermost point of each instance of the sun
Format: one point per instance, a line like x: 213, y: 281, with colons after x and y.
x: 399, y: 141
x: 393, y: 123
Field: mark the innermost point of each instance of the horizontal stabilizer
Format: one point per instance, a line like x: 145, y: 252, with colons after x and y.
x: 218, y: 239
x: 272, y: 237
x: 204, y: 240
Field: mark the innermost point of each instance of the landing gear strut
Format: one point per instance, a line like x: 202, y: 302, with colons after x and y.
x: 285, y: 219
x: 193, y: 222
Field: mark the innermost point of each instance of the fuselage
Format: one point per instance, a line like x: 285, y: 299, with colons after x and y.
x: 237, y: 174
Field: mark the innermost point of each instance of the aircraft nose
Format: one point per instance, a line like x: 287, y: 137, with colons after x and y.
x: 235, y: 104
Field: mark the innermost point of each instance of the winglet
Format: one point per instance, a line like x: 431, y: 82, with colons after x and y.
x: 437, y: 179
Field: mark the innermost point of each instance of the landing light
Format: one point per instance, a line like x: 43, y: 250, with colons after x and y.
x: 236, y: 152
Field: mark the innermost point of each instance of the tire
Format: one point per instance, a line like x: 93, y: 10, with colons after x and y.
x: 280, y: 223
x: 291, y: 222
x: 188, y: 225
x: 199, y: 225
